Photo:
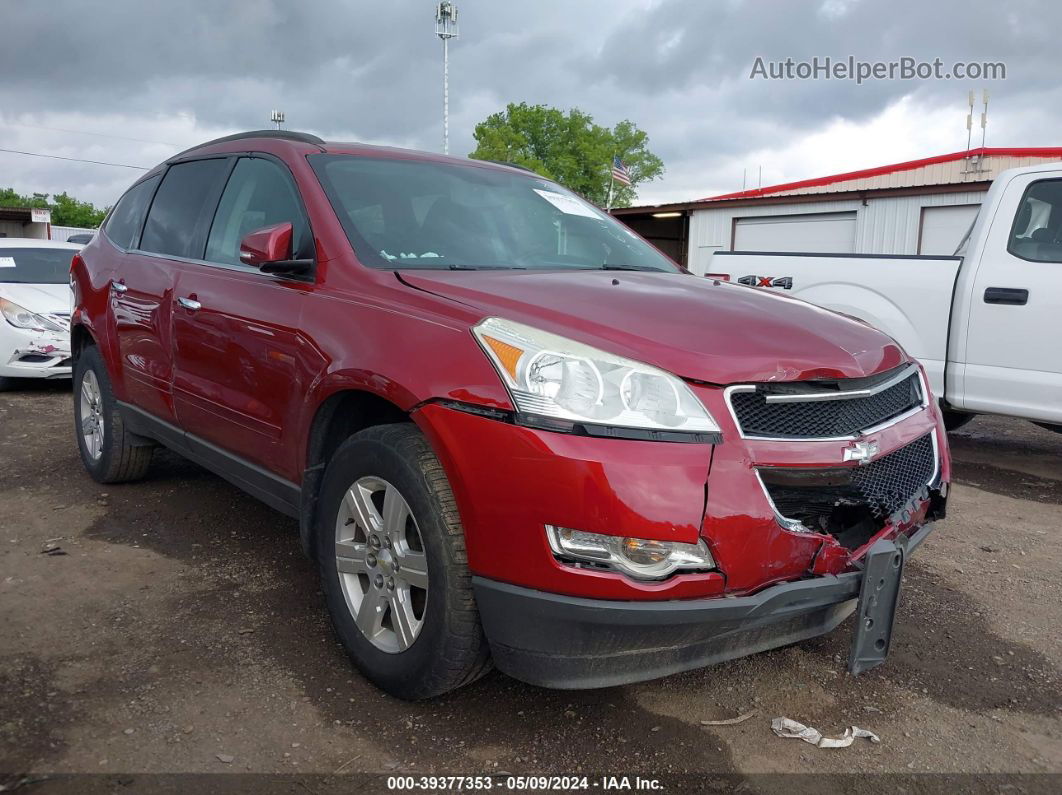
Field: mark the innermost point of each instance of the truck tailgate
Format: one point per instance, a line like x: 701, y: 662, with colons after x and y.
x: 907, y: 297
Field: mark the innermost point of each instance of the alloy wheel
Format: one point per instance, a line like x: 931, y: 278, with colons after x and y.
x: 383, y: 570
x: 92, y: 415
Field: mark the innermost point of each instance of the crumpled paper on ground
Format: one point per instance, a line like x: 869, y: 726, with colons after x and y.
x: 784, y: 727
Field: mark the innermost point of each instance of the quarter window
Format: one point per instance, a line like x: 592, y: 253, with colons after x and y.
x: 258, y: 194
x: 124, y: 222
x: 176, y: 222
x: 1037, y: 230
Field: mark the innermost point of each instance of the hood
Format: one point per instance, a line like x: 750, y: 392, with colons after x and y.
x: 39, y: 298
x: 696, y: 328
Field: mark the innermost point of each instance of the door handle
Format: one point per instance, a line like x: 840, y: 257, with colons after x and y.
x: 1011, y: 296
x: 190, y: 304
x: 118, y: 287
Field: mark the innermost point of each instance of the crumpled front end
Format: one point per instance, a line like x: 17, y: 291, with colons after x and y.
x: 833, y: 466
x: 807, y: 479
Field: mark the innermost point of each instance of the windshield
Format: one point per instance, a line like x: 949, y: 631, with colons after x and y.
x: 35, y: 265
x: 418, y: 214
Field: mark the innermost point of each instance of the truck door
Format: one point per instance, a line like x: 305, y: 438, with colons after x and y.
x: 1013, y: 353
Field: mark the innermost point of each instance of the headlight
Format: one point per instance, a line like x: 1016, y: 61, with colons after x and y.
x: 640, y: 558
x: 555, y: 377
x: 20, y: 317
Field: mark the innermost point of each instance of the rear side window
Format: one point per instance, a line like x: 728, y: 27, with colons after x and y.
x: 259, y: 193
x: 124, y: 222
x: 1037, y: 230
x: 176, y: 222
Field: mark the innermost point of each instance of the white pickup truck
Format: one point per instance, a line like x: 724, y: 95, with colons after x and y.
x: 985, y: 323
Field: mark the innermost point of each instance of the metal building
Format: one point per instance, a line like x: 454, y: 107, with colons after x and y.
x: 31, y: 222
x: 917, y: 207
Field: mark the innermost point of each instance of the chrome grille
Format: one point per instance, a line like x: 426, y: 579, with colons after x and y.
x: 825, y: 409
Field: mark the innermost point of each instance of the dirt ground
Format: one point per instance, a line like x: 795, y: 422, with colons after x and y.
x: 173, y: 626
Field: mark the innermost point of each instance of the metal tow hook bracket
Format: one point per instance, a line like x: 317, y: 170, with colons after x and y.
x: 879, y: 594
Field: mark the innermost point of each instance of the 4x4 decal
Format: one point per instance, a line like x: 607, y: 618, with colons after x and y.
x: 784, y: 282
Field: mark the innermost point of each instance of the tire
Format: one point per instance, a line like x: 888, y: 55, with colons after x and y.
x: 6, y: 383
x: 113, y: 455
x: 953, y: 420
x: 436, y: 645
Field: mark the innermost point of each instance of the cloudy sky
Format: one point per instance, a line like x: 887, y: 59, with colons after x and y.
x: 132, y: 81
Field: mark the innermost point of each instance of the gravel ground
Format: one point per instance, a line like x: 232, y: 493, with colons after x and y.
x: 173, y: 626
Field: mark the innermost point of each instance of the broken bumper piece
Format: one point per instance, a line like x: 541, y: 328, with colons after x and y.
x: 559, y: 641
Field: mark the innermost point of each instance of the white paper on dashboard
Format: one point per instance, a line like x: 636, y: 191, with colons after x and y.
x: 566, y: 204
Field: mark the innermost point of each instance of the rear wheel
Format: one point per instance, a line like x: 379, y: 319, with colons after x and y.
x: 110, y: 453
x: 393, y: 566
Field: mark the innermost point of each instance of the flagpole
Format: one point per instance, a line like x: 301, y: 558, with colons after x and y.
x: 611, y: 182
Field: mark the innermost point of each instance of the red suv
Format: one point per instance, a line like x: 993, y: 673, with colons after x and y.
x: 510, y: 428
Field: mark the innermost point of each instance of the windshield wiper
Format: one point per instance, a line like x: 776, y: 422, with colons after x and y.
x: 608, y: 266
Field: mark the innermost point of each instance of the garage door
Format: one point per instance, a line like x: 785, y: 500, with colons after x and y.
x: 818, y: 232
x: 944, y: 227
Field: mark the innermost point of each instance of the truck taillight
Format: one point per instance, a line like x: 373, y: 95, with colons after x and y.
x: 723, y: 277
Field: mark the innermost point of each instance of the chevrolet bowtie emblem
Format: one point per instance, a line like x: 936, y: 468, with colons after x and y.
x: 863, y: 452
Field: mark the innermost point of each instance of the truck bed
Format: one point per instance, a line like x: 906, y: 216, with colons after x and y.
x: 907, y: 296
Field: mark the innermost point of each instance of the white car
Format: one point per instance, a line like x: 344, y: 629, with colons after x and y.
x: 34, y: 308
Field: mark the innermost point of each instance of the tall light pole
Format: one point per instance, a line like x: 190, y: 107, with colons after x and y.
x: 277, y: 117
x: 446, y: 29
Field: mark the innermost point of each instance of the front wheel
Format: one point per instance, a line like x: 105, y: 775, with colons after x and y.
x: 391, y: 553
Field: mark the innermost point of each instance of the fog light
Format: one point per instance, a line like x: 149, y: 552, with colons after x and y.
x: 640, y: 558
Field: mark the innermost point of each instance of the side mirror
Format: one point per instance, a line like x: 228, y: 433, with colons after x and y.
x: 269, y: 250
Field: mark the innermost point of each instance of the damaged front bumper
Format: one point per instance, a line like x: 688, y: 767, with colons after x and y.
x: 567, y: 642
x: 34, y: 354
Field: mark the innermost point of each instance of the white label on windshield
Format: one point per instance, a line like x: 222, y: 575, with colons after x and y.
x: 568, y: 205
x: 7, y: 262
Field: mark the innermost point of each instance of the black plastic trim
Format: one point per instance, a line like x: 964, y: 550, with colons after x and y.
x: 543, y: 423
x: 283, y: 135
x: 276, y: 492
x: 1007, y: 296
x: 614, y: 432
x: 501, y: 415
x: 561, y: 641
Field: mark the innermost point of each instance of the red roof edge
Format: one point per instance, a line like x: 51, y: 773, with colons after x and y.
x: 1042, y: 151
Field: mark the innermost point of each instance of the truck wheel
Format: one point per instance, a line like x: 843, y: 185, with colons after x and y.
x: 391, y: 552
x: 953, y: 420
x: 108, y: 451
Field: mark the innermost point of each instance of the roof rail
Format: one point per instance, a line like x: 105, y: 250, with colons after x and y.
x: 512, y: 165
x: 285, y: 135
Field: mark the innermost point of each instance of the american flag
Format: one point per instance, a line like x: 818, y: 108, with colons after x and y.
x: 619, y: 171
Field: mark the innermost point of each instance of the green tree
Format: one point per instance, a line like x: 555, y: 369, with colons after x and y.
x: 66, y: 210
x: 569, y: 148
